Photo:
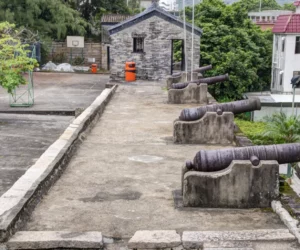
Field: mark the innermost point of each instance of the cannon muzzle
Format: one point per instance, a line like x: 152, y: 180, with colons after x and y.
x: 209, y: 81
x: 216, y: 160
x: 203, y: 69
x: 238, y: 107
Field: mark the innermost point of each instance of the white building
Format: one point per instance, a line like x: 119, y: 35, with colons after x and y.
x: 285, y: 65
x: 286, y: 51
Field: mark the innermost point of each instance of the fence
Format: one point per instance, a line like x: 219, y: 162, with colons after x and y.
x: 91, y: 53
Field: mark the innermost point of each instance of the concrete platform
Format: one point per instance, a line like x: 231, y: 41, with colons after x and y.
x: 23, y: 139
x: 61, y: 92
x: 122, y: 177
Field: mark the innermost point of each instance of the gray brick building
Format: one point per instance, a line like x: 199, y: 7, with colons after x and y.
x: 148, y: 40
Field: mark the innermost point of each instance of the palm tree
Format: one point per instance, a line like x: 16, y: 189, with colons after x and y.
x: 283, y: 128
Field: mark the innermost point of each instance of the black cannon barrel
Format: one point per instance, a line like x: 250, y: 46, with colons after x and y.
x: 238, y: 107
x: 215, y: 160
x: 203, y: 69
x: 209, y: 80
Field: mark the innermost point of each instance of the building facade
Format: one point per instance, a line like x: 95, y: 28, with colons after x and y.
x: 147, y: 39
x: 286, y: 51
x: 266, y: 19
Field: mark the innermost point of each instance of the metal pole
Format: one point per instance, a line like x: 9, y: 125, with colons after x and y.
x: 260, y: 6
x: 293, y: 104
x: 185, y: 45
x: 193, y: 26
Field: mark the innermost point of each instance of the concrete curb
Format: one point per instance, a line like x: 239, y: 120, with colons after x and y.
x: 55, y: 240
x: 170, y: 239
x: 287, y: 219
x: 17, y: 204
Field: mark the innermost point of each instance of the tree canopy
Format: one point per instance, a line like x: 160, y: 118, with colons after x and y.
x: 54, y: 18
x: 234, y: 45
x: 14, y: 58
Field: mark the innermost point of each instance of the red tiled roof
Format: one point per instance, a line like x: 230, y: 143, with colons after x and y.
x: 297, y: 3
x: 287, y: 24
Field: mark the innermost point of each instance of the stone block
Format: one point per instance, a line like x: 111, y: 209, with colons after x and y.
x: 193, y: 93
x: 52, y: 240
x: 210, y: 129
x: 240, y: 185
x: 233, y: 239
x: 160, y: 239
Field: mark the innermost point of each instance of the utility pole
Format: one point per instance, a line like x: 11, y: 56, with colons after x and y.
x: 260, y: 5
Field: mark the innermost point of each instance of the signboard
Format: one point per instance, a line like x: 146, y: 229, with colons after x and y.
x: 75, y: 41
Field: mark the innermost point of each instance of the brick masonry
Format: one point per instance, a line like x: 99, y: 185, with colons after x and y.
x: 155, y: 62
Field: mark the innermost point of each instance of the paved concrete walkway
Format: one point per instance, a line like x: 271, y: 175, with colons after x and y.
x: 122, y: 177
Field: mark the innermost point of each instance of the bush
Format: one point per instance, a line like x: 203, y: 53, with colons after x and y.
x: 78, y: 61
x: 59, y: 58
x: 254, y: 131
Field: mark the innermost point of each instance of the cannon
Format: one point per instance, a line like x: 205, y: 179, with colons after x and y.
x: 238, y: 107
x: 203, y: 69
x: 215, y: 160
x: 209, y: 81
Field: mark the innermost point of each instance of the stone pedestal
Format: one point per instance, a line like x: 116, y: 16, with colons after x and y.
x: 241, y: 185
x: 210, y: 129
x: 193, y: 93
x: 172, y: 79
x: 182, y: 78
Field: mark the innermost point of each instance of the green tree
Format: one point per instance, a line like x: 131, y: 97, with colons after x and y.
x: 289, y: 6
x: 283, y: 128
x: 233, y: 45
x: 253, y: 5
x: 54, y: 18
x: 13, y: 58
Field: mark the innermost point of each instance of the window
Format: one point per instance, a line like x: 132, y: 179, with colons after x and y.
x: 283, y: 44
x: 281, y: 79
x: 138, y: 44
x: 297, y: 47
x: 296, y: 73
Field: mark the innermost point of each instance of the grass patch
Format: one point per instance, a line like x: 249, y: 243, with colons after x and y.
x: 254, y: 131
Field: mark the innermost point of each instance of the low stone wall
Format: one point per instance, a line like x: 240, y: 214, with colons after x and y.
x: 18, y: 202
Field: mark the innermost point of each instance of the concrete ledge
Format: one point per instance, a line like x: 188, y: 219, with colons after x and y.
x: 18, y: 202
x: 195, y: 240
x: 53, y: 240
x: 154, y: 240
x: 287, y: 219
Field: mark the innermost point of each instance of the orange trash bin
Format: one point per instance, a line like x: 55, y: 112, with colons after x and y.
x: 94, y: 68
x: 130, y: 70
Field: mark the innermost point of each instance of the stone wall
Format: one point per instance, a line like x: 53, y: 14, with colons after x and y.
x: 90, y: 50
x: 155, y: 62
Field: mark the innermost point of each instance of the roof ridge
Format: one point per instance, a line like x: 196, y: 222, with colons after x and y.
x: 287, y: 23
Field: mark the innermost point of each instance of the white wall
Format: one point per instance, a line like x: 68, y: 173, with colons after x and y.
x: 268, y: 111
x: 286, y: 61
x: 292, y: 62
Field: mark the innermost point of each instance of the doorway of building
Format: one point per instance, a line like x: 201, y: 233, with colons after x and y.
x: 177, y: 56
